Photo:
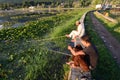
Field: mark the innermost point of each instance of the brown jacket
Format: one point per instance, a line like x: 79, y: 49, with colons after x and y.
x: 80, y: 62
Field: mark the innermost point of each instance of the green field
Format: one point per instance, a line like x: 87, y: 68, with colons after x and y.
x: 31, y: 52
x: 25, y: 51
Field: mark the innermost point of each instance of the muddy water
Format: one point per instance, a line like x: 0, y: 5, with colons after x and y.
x: 14, y: 19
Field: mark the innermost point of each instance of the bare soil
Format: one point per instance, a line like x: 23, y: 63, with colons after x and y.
x: 110, y: 41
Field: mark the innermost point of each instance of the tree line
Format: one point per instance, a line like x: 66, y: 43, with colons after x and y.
x: 52, y: 3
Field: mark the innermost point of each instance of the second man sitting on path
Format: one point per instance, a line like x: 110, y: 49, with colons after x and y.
x: 79, y: 68
x: 88, y: 50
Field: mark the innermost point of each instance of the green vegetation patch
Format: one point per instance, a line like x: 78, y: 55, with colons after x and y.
x: 25, y: 55
x: 21, y: 55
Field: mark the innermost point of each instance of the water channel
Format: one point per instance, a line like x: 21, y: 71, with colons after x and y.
x: 17, y: 18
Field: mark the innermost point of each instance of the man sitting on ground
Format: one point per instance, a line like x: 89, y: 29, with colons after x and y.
x: 79, y: 32
x: 88, y: 50
x: 79, y: 67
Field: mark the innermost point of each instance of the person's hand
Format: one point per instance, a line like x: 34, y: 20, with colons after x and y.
x: 73, y: 40
x: 67, y: 35
x: 70, y: 63
x: 69, y: 47
x: 76, y: 36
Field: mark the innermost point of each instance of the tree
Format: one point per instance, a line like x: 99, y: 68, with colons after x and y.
x: 57, y: 3
x: 52, y: 5
x: 115, y: 2
x: 23, y: 4
x: 85, y: 3
x: 5, y: 6
x: 76, y: 4
x: 27, y: 4
x: 32, y: 3
x: 94, y: 2
x: 43, y: 5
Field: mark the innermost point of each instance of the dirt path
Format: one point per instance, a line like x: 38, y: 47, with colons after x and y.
x: 112, y: 44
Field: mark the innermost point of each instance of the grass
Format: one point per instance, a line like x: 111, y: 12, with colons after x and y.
x: 107, y: 69
x: 27, y: 59
x: 24, y: 57
x: 62, y: 30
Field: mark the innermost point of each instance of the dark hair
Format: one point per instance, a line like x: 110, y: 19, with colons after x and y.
x: 78, y: 48
x: 79, y: 22
x: 85, y: 38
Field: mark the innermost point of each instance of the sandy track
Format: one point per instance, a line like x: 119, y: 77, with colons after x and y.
x: 112, y: 44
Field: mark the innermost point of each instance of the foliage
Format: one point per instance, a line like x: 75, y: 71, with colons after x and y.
x: 32, y: 29
x: 115, y: 2
x: 85, y: 3
x: 5, y: 4
x: 94, y: 2
x: 24, y: 56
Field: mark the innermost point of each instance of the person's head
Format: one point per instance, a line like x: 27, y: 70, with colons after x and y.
x: 85, y: 40
x: 77, y: 23
x: 77, y: 48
